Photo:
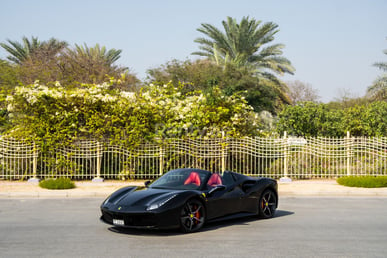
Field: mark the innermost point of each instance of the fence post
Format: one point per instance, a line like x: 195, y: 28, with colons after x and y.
x: 348, y: 140
x: 161, y: 159
x: 98, y: 178
x: 34, y: 178
x: 223, y: 152
x: 285, y: 178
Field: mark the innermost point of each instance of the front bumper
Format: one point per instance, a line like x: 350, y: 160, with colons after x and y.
x: 146, y: 220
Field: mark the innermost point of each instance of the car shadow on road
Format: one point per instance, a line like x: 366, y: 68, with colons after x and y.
x: 241, y: 221
x: 282, y: 213
x: 210, y: 226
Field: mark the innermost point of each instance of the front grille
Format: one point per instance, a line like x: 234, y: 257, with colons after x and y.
x: 131, y: 220
x: 139, y: 220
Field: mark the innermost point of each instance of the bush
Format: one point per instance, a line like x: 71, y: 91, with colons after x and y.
x: 310, y: 119
x: 58, y: 183
x: 363, y: 181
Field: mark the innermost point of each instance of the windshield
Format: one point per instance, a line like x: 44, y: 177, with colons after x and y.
x: 182, y: 179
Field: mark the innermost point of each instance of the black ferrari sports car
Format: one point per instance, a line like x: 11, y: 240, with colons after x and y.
x: 187, y: 198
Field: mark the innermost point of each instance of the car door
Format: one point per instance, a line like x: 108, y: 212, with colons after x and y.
x: 249, y: 200
x: 227, y: 201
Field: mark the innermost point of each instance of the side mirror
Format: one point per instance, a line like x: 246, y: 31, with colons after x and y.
x: 217, y: 188
x: 147, y: 183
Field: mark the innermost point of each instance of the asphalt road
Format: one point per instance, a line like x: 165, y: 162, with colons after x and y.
x: 303, y: 227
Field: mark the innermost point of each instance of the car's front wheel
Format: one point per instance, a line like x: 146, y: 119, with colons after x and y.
x: 192, y: 216
x: 267, y: 204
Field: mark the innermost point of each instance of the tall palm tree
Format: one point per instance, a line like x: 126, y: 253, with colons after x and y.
x: 21, y: 52
x: 244, y: 44
x: 378, y: 90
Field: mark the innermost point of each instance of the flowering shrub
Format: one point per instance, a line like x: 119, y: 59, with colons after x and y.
x: 55, y: 114
x: 199, y: 114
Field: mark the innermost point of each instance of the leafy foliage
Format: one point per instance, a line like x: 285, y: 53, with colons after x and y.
x: 53, y: 60
x: 204, y: 75
x: 53, y: 114
x: 312, y: 119
x: 21, y: 52
x: 8, y: 80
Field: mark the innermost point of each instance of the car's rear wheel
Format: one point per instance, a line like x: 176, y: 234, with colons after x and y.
x: 192, y: 216
x: 267, y: 204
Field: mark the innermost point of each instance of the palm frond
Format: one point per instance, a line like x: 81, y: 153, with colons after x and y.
x: 381, y: 65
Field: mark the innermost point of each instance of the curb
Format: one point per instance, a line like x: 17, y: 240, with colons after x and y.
x: 308, y: 188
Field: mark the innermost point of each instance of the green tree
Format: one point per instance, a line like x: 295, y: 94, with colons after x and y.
x: 310, y: 119
x: 245, y: 45
x: 32, y: 49
x: 34, y: 59
x: 366, y: 120
x: 378, y: 90
x: 193, y: 75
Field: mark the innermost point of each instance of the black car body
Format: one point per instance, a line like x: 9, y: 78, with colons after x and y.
x: 187, y: 198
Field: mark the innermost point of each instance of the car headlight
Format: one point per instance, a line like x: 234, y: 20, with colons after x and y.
x: 160, y: 203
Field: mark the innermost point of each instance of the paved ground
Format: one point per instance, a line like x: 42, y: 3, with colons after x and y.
x: 302, y: 227
x: 18, y: 189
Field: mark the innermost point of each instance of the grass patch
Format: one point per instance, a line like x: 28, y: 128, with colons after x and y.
x: 363, y: 181
x: 57, y: 184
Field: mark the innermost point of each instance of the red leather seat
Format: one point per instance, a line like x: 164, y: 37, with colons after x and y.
x: 214, y: 180
x: 193, y: 178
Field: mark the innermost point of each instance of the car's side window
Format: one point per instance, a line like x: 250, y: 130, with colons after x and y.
x: 227, y: 179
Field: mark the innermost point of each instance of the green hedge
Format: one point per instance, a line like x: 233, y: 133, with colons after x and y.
x: 363, y: 181
x: 57, y: 184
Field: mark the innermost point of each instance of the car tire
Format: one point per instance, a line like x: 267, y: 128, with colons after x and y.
x: 192, y: 216
x: 267, y: 204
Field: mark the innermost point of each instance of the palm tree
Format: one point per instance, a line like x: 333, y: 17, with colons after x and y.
x: 245, y: 44
x: 98, y: 53
x: 96, y: 65
x: 21, y: 52
x: 378, y: 90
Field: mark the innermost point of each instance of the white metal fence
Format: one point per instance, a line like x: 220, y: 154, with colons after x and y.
x: 273, y: 157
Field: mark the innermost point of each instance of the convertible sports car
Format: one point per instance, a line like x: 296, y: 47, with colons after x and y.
x: 187, y: 198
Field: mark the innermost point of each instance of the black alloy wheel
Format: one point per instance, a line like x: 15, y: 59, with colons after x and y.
x: 192, y: 216
x: 267, y: 204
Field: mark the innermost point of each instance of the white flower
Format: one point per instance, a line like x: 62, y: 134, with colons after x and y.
x: 128, y: 95
x: 10, y: 107
x: 9, y: 98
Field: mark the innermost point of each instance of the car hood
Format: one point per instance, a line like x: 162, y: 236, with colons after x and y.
x: 140, y: 198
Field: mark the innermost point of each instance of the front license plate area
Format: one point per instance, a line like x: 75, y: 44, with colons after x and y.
x: 118, y: 222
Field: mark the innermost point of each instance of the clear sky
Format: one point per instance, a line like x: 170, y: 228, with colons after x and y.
x: 331, y: 43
